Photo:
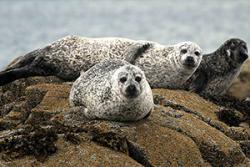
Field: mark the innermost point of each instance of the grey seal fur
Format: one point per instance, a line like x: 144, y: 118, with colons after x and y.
x: 112, y: 90
x: 164, y: 66
x: 218, y: 69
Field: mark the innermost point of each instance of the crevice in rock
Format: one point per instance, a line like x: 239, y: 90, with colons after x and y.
x: 231, y: 102
x: 120, y: 143
x: 167, y: 103
x: 230, y: 117
x: 110, y: 139
x: 175, y: 106
x: 245, y: 146
x: 72, y: 138
x: 138, y: 154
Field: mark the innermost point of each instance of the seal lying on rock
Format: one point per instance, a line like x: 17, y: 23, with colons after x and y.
x: 218, y: 69
x: 164, y: 66
x: 113, y: 90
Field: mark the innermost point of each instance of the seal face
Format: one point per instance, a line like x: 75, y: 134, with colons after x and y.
x: 113, y: 90
x: 190, y: 55
x: 236, y: 50
x: 218, y: 69
x: 164, y: 66
x: 129, y: 81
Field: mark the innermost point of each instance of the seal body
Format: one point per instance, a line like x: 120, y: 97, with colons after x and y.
x: 113, y: 90
x: 164, y: 66
x: 218, y: 69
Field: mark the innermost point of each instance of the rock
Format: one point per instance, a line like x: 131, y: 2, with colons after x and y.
x: 38, y: 128
x: 241, y: 86
x: 54, y: 99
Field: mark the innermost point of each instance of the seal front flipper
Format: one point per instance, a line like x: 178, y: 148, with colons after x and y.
x: 136, y: 51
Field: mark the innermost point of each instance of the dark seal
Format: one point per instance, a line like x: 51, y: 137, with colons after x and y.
x: 218, y: 69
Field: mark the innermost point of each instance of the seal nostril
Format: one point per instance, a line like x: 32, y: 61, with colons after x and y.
x: 131, y: 90
x: 190, y: 59
x: 243, y: 55
x: 131, y: 87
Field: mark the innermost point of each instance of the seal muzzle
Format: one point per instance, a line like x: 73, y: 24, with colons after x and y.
x: 131, y: 91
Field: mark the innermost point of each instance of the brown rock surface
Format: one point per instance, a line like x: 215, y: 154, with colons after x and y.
x: 241, y: 86
x: 183, y: 130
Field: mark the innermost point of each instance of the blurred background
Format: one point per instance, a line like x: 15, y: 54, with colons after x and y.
x: 26, y: 25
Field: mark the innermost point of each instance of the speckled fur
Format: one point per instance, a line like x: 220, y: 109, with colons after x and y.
x: 99, y: 91
x: 65, y: 58
x: 218, y: 69
x: 164, y: 65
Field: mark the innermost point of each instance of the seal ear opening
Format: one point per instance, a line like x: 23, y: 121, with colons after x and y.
x: 136, y: 51
x: 228, y: 52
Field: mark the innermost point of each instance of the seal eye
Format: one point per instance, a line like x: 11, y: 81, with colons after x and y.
x: 138, y: 79
x: 123, y: 79
x: 197, y: 53
x: 183, y: 51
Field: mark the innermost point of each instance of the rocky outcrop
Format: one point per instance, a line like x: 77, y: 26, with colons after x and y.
x: 38, y: 128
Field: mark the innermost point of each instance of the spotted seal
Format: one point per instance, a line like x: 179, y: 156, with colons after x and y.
x: 113, y: 90
x: 164, y: 66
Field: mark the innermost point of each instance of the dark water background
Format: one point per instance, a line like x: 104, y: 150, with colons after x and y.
x: 29, y: 24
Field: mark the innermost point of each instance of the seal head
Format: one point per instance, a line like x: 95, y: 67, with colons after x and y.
x: 236, y: 50
x: 218, y: 69
x: 129, y: 81
x: 190, y: 54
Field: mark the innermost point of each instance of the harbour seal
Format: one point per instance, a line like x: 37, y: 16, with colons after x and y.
x: 218, y: 69
x: 164, y: 66
x: 113, y: 90
x: 170, y: 66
